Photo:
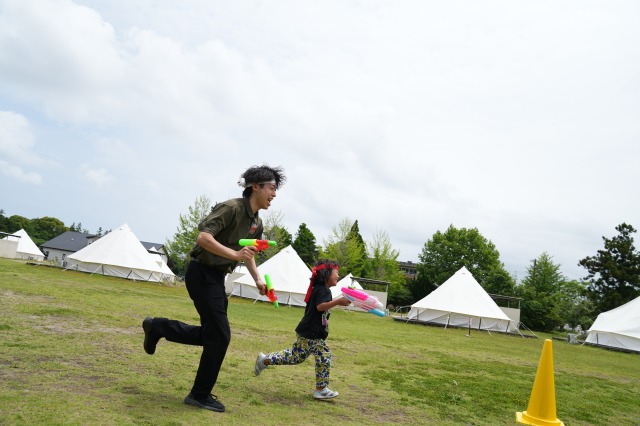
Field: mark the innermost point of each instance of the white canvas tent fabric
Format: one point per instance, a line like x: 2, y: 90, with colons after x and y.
x: 237, y: 273
x: 618, y: 328
x: 27, y: 249
x: 457, y: 301
x: 289, y: 274
x: 164, y: 268
x: 120, y: 254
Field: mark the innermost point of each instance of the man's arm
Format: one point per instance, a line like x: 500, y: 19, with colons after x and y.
x: 207, y: 242
x: 245, y: 254
x: 253, y: 270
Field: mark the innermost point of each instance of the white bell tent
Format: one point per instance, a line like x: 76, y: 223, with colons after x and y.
x: 618, y: 328
x: 460, y: 302
x: 119, y: 253
x: 26, y: 249
x: 239, y: 271
x: 289, y: 275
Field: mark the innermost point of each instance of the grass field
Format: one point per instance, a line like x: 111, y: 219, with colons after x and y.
x: 71, y: 354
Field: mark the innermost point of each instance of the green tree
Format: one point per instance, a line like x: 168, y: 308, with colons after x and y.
x: 447, y: 252
x: 16, y: 223
x: 499, y: 281
x: 276, y: 233
x: 614, y: 273
x: 382, y: 265
x: 305, y: 245
x: 45, y: 228
x: 344, y: 247
x: 273, y: 229
x: 180, y: 246
x: 419, y: 287
x: 359, y: 256
x: 4, y: 222
x: 576, y: 308
x: 542, y: 307
x: 78, y: 228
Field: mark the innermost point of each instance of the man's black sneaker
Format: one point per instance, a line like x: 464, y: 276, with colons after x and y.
x: 150, y: 341
x: 211, y: 403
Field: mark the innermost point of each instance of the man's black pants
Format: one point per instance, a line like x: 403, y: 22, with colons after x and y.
x: 206, y: 288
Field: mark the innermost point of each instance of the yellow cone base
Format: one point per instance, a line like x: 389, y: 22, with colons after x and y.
x: 525, y: 419
x: 542, y: 402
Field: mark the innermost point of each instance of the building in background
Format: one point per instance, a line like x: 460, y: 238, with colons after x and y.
x: 409, y: 269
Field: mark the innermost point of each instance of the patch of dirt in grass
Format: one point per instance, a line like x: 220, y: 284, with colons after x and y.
x: 373, y: 408
x: 13, y: 298
x: 60, y: 325
x: 289, y: 402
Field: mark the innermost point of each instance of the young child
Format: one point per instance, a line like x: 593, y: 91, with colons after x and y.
x: 312, y: 330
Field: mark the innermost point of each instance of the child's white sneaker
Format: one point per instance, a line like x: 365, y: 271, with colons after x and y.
x: 325, y: 393
x: 260, y: 363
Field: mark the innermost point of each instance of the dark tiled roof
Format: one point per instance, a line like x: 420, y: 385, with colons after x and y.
x: 147, y: 245
x: 69, y: 241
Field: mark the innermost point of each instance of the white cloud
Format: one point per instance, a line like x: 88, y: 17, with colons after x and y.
x: 60, y: 56
x: 16, y: 138
x: 406, y: 116
x: 18, y: 173
x: 97, y: 176
x: 17, y: 147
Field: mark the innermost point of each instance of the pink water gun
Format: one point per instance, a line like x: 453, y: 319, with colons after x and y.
x: 362, y: 300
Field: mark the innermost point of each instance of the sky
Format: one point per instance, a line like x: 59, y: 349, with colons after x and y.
x: 520, y: 119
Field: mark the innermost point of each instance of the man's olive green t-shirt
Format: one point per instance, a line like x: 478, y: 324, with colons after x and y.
x: 228, y: 222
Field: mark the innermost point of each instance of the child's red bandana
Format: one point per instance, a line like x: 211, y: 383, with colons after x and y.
x: 313, y: 275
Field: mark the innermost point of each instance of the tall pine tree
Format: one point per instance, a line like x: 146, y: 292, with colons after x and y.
x: 614, y: 273
x: 305, y: 245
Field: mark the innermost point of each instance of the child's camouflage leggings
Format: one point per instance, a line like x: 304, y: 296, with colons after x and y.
x: 299, y: 352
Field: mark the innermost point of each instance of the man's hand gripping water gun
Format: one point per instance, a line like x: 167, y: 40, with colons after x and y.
x: 362, y: 300
x: 271, y: 293
x: 259, y: 244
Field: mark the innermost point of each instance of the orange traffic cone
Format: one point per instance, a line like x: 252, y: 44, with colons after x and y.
x: 542, y: 402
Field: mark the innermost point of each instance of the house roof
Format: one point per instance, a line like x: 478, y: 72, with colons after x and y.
x: 147, y: 245
x: 74, y: 241
x: 69, y: 241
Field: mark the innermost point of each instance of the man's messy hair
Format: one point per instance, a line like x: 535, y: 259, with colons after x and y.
x: 262, y: 174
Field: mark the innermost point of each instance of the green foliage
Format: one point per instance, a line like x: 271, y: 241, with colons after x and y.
x: 40, y: 230
x: 499, y: 281
x: 447, y: 252
x: 550, y: 301
x: 305, y: 245
x: 382, y: 265
x: 358, y: 256
x: 347, y: 247
x: 17, y: 222
x: 419, y: 287
x: 614, y: 273
x: 575, y: 306
x: 274, y: 230
x: 281, y: 236
x: 180, y: 246
x: 4, y: 222
x: 46, y: 228
x: 78, y: 228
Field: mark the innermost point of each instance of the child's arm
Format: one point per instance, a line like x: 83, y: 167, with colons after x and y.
x: 343, y: 301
